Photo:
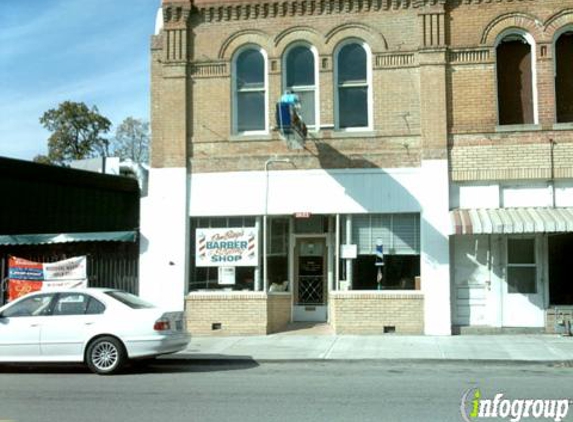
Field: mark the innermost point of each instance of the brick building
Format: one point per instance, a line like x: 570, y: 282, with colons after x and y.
x: 437, y: 162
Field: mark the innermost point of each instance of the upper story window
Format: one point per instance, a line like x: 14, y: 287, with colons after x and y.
x: 515, y: 80
x: 352, y: 94
x: 249, y: 93
x: 300, y: 77
x: 563, y: 77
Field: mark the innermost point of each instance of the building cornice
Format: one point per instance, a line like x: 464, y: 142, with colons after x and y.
x: 211, y: 11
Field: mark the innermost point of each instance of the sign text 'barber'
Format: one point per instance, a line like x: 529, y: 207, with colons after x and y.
x: 233, y: 247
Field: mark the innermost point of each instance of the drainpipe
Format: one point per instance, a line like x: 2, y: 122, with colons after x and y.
x: 552, y: 180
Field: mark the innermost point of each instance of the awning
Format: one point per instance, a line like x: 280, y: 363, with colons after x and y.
x: 511, y: 220
x: 41, y: 239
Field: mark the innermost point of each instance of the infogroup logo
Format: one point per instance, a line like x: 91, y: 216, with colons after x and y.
x: 474, y: 407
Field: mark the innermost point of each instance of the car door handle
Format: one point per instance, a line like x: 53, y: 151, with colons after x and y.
x: 90, y: 323
x: 34, y: 325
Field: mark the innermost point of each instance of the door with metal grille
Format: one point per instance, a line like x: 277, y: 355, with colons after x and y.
x: 310, y: 287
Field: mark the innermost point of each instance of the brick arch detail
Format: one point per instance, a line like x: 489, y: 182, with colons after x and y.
x: 558, y: 21
x: 522, y: 21
x: 298, y: 33
x: 238, y: 39
x: 373, y: 38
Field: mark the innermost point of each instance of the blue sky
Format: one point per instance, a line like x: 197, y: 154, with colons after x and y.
x: 92, y: 51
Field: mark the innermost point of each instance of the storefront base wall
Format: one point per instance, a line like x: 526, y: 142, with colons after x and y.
x: 559, y: 319
x: 279, y: 311
x: 237, y: 313
x: 226, y: 313
x: 377, y: 312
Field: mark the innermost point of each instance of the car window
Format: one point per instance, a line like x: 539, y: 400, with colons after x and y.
x: 37, y: 305
x: 95, y: 307
x: 71, y: 304
x: 130, y: 300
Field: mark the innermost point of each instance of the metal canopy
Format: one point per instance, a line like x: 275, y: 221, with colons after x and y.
x: 42, y: 239
x: 511, y: 220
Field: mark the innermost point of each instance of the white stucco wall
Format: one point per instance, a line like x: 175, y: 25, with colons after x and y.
x: 164, y: 238
x: 435, y: 227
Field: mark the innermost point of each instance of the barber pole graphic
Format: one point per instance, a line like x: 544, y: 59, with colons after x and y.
x: 202, y: 247
x: 252, y: 246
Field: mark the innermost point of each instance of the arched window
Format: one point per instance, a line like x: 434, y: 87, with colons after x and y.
x: 515, y: 80
x: 301, y: 77
x: 249, y: 80
x: 564, y: 77
x: 352, y: 74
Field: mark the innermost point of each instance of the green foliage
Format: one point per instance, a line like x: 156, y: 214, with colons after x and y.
x: 77, y: 133
x: 132, y: 140
x: 42, y: 159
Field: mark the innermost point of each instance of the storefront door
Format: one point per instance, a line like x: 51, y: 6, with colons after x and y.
x: 310, y: 290
x: 522, y: 292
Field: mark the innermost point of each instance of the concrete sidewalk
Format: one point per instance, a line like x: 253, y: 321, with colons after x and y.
x: 324, y: 346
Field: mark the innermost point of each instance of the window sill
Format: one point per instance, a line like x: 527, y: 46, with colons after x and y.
x: 261, y: 137
x: 517, y: 128
x: 563, y: 126
x: 367, y: 133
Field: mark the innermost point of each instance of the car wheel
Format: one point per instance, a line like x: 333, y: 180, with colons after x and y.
x: 105, y: 355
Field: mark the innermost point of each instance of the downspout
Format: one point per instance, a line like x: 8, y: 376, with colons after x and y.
x: 552, y: 174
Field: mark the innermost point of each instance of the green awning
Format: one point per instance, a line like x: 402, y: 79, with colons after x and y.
x: 42, y: 239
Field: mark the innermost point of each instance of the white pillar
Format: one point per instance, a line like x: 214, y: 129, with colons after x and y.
x: 435, y: 228
x: 164, y: 257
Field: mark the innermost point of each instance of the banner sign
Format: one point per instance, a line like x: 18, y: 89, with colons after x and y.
x: 28, y: 276
x: 237, y: 247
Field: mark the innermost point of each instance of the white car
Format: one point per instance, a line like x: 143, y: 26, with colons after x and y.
x: 102, y: 327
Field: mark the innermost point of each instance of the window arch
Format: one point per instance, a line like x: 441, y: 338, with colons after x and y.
x: 353, y: 94
x: 516, y: 93
x: 301, y: 76
x: 563, y: 77
x: 250, y: 91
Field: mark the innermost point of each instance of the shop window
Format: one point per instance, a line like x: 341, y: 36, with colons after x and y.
x: 563, y: 77
x: 277, y: 260
x: 301, y: 79
x: 559, y: 257
x: 521, y: 266
x: 352, y: 86
x: 207, y: 278
x: 515, y: 81
x: 399, y: 236
x: 249, y: 97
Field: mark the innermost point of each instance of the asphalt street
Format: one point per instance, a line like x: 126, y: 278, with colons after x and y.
x: 184, y: 390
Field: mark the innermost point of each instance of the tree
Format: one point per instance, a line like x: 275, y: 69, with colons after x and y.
x: 132, y: 140
x: 77, y: 133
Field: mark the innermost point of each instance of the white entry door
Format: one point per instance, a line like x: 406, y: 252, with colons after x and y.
x: 522, y: 291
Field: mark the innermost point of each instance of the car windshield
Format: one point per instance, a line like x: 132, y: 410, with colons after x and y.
x: 130, y: 300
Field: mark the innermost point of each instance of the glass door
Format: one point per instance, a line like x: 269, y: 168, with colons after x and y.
x: 310, y: 291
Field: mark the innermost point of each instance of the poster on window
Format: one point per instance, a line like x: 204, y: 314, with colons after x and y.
x: 26, y: 276
x: 237, y: 247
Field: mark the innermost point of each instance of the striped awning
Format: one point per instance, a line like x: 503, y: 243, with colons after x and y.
x: 511, y: 220
x: 42, y: 239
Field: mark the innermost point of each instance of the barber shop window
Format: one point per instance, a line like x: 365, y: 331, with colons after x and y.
x: 278, y: 230
x: 515, y: 81
x: 564, y: 77
x: 301, y: 76
x: 249, y: 91
x: 388, y: 247
x: 521, y: 266
x: 204, y: 278
x: 352, y: 94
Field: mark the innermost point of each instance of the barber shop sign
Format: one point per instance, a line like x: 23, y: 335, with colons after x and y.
x: 231, y: 247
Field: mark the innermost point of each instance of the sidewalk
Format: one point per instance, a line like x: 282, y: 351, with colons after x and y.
x: 326, y: 346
